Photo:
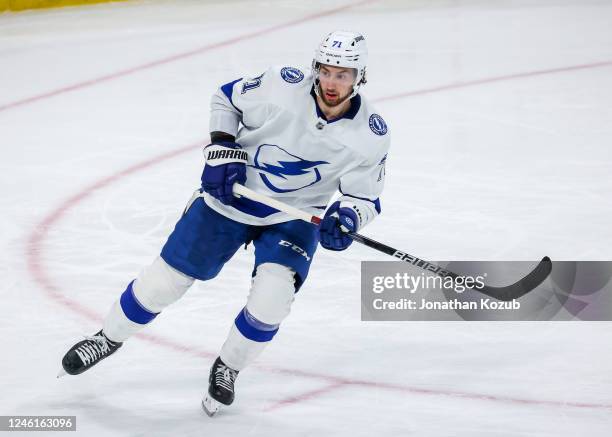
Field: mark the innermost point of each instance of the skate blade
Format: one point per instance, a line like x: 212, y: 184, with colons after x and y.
x: 210, y: 406
x: 61, y: 373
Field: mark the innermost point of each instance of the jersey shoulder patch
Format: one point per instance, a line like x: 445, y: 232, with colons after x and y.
x: 377, y: 125
x: 291, y: 74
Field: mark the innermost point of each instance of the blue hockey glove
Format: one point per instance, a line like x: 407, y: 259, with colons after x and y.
x: 225, y: 165
x: 338, y: 220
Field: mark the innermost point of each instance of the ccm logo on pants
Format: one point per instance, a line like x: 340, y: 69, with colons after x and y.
x: 295, y: 248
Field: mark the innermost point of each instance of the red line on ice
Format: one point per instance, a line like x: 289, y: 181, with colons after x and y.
x: 304, y: 396
x: 36, y: 239
x: 41, y: 230
x: 180, y: 56
x: 484, y: 81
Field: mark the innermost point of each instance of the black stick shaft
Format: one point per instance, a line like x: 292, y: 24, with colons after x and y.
x: 514, y: 291
x: 425, y: 265
x: 510, y: 292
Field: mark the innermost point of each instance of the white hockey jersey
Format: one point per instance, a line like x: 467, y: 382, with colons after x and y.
x: 295, y: 154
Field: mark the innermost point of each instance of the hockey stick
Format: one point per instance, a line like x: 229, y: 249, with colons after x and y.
x: 507, y: 293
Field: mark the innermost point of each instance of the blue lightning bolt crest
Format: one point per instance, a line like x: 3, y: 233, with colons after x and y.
x: 286, y: 169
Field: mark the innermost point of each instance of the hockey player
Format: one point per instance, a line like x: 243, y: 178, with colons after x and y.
x: 294, y: 134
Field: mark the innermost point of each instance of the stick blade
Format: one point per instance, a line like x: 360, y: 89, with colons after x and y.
x: 523, y: 286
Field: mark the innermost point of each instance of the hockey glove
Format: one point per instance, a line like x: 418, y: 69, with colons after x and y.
x: 225, y: 165
x: 339, y: 219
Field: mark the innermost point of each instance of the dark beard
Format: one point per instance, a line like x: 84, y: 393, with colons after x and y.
x: 332, y: 105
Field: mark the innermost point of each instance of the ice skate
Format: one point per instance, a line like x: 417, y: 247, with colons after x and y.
x: 221, y: 387
x: 87, y: 353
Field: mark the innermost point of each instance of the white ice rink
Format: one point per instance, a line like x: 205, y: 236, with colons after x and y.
x: 501, y: 121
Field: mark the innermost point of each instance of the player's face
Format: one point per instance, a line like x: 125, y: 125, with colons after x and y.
x: 336, y: 84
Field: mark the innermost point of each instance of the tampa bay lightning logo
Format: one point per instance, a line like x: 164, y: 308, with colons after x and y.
x: 292, y: 75
x: 283, y: 172
x: 377, y: 124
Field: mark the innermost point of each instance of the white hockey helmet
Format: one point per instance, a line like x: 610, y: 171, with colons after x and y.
x: 342, y: 49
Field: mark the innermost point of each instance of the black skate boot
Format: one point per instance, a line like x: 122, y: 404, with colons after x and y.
x: 87, y: 353
x: 220, y: 387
